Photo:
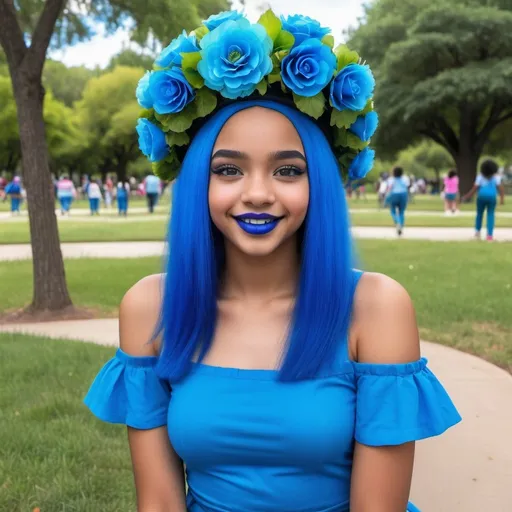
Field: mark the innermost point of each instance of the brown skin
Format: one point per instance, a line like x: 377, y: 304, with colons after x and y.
x: 474, y: 190
x: 255, y: 305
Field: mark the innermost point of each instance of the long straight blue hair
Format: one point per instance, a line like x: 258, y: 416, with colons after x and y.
x: 321, y: 316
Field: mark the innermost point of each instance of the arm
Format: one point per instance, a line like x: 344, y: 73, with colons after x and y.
x: 384, y: 331
x: 501, y: 189
x: 471, y: 193
x: 158, y: 471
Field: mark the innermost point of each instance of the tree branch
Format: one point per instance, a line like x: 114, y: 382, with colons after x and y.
x: 452, y: 143
x: 489, y: 125
x: 504, y: 118
x: 43, y: 33
x: 11, y: 36
x: 436, y: 137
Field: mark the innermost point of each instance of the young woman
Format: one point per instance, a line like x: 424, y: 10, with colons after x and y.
x: 247, y: 360
x: 487, y: 186
x: 398, y: 196
x: 451, y: 190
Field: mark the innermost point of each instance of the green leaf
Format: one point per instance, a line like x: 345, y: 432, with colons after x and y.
x: 368, y: 108
x: 205, y: 102
x: 345, y: 56
x: 168, y: 168
x: 200, y: 32
x: 194, y: 78
x: 271, y: 23
x: 177, y: 139
x: 328, y: 39
x: 147, y: 113
x: 313, y: 106
x: 343, y: 118
x: 179, y: 122
x: 262, y: 87
x: 190, y: 60
x: 354, y: 142
x: 274, y: 77
x: 284, y: 41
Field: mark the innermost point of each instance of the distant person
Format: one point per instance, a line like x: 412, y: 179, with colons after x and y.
x: 487, y: 186
x: 14, y: 191
x: 152, y: 187
x: 123, y: 194
x: 109, y: 192
x: 94, y: 195
x: 381, y: 191
x: 451, y: 190
x: 66, y: 192
x: 85, y: 186
x: 397, y: 197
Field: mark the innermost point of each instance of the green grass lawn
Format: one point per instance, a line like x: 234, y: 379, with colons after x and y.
x: 142, y: 228
x: 462, y: 291
x: 54, y: 454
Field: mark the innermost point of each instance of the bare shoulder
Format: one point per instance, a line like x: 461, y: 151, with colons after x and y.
x: 139, y: 313
x: 384, y: 322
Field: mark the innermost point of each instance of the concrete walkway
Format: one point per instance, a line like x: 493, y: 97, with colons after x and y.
x: 138, y: 249
x: 468, y: 469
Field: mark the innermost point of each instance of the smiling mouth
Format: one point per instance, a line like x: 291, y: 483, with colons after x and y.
x: 257, y: 219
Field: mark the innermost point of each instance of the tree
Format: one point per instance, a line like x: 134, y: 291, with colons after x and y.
x: 443, y: 70
x: 107, y: 116
x: 66, y: 84
x: 131, y: 58
x: 27, y: 28
x: 424, y: 158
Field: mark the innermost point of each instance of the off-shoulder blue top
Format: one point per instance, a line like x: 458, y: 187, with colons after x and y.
x: 253, y: 444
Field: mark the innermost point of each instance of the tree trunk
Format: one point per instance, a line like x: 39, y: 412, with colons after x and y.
x: 50, y: 289
x: 467, y: 161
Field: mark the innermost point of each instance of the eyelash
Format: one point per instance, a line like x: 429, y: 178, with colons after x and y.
x: 223, y: 168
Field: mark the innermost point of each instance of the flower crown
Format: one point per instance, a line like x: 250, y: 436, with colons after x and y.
x: 228, y: 57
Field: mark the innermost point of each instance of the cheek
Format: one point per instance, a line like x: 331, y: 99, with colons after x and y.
x: 296, y: 199
x: 221, y: 198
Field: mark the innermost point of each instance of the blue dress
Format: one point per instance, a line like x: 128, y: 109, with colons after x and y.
x: 253, y: 444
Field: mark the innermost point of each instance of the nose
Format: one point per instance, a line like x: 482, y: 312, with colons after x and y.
x: 258, y: 191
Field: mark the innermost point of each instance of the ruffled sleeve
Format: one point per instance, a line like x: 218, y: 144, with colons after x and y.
x: 128, y: 391
x: 398, y: 403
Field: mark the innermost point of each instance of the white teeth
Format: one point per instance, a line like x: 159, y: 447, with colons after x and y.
x: 257, y: 221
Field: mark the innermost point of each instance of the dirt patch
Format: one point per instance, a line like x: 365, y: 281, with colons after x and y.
x: 28, y: 316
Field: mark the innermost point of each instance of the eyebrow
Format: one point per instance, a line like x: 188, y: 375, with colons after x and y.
x: 276, y: 155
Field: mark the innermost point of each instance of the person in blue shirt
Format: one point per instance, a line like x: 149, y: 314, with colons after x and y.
x: 397, y: 197
x: 282, y: 378
x: 122, y: 197
x: 487, y: 186
x: 14, y: 191
x: 152, y: 187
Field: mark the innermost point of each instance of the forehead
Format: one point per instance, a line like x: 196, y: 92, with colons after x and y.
x: 259, y: 130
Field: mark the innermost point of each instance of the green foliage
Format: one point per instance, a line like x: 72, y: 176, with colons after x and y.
x: 343, y: 118
x: 313, y: 106
x: 262, y: 87
x: 271, y: 23
x: 284, y: 41
x: 132, y: 59
x: 345, y: 56
x: 168, y: 168
x: 189, y: 66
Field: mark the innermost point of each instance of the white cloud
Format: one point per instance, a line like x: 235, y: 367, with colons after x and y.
x: 336, y: 14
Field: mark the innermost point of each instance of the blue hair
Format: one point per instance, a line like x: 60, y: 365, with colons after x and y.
x: 321, y: 316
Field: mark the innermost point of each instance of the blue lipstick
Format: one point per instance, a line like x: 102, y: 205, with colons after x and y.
x: 257, y: 223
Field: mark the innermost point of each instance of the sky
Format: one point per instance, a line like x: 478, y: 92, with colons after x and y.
x: 336, y: 14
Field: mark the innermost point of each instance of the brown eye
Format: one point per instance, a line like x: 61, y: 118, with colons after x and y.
x: 289, y: 171
x: 227, y: 170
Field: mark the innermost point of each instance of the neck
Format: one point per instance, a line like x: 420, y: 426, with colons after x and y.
x: 261, y: 277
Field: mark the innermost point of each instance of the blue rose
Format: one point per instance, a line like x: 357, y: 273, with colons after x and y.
x: 352, y: 87
x: 362, y: 164
x: 308, y: 68
x: 216, y: 20
x: 151, y: 140
x: 170, y: 56
x: 142, y: 93
x: 235, y: 58
x: 170, y: 91
x: 365, y: 126
x: 303, y: 27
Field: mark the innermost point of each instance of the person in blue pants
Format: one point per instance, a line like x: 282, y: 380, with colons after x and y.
x: 123, y: 193
x: 487, y: 186
x: 397, y: 197
x: 13, y: 190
